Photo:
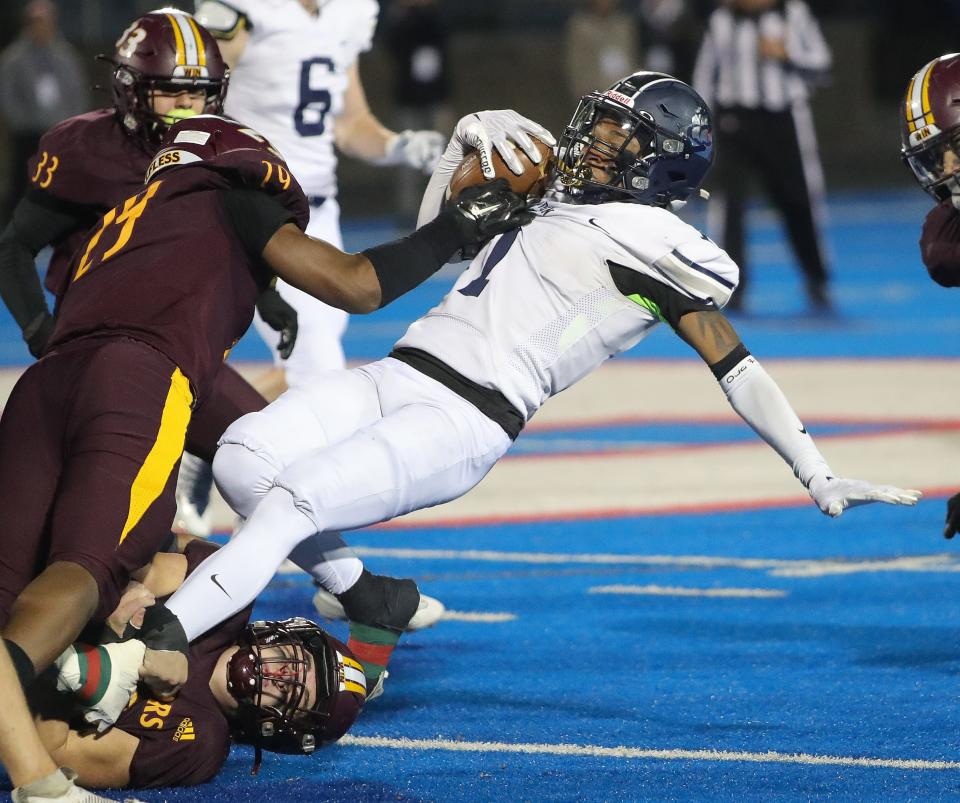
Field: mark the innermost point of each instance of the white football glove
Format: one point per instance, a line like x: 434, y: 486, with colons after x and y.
x: 833, y: 495
x: 483, y: 131
x: 420, y: 150
x: 104, y: 678
x: 489, y: 130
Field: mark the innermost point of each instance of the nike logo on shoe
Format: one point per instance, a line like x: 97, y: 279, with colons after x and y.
x: 213, y: 579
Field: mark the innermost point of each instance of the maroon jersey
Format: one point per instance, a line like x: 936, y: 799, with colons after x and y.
x: 178, y: 266
x: 86, y: 164
x: 187, y: 740
x: 940, y: 244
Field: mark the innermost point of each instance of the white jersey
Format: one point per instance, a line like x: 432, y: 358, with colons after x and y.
x: 538, y: 308
x: 289, y: 84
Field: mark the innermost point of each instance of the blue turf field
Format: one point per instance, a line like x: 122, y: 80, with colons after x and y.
x: 826, y: 667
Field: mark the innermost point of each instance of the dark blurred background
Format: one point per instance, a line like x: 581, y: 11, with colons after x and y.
x: 510, y: 53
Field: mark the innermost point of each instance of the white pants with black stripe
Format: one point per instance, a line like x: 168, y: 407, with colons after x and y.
x: 358, y: 447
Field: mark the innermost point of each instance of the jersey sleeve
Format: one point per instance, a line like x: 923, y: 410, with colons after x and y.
x: 664, y: 301
x: 940, y: 244
x: 63, y: 175
x: 365, y: 26
x: 255, y: 217
x: 223, y: 20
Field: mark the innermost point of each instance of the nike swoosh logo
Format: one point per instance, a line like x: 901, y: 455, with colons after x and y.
x: 213, y: 579
x: 803, y: 430
x: 593, y: 222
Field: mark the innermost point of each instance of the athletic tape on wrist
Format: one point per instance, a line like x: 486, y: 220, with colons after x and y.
x: 161, y: 630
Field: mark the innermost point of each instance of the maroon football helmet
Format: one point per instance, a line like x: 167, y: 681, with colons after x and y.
x: 269, y: 676
x: 930, y: 127
x: 166, y: 51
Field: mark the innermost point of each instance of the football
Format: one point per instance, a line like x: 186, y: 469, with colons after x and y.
x: 533, y: 179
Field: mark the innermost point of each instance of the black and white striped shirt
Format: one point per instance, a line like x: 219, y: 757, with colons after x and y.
x: 731, y: 72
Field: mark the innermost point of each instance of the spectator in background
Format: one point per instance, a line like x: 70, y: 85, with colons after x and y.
x: 601, y: 46
x: 417, y: 39
x: 670, y: 32
x: 755, y: 68
x: 42, y: 81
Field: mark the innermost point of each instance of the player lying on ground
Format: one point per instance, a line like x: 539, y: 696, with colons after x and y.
x: 604, y: 261
x: 165, y: 284
x: 283, y: 686
x: 930, y: 145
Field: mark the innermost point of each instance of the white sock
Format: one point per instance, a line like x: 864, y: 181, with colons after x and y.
x: 331, y: 562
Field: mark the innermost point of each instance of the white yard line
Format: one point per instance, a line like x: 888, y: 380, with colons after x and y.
x: 682, y: 591
x: 595, y: 751
x: 942, y: 562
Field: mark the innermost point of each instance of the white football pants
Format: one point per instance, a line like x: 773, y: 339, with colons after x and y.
x: 358, y: 447
x: 320, y: 326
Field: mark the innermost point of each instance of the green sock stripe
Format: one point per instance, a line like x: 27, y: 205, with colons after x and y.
x: 373, y: 635
x: 106, y: 669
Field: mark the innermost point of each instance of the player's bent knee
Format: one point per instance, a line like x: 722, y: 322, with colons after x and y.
x: 243, y: 475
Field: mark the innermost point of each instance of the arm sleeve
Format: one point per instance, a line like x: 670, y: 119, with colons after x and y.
x: 805, y: 45
x: 668, y: 304
x: 33, y: 226
x: 758, y: 400
x: 940, y: 244
x: 705, y: 68
x: 255, y: 217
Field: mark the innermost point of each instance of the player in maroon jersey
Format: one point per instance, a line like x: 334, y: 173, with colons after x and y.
x: 163, y: 286
x: 290, y: 674
x: 165, y: 66
x: 930, y: 145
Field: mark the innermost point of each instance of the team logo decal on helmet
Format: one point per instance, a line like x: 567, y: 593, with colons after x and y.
x: 930, y: 127
x: 297, y: 687
x: 660, y: 151
x: 164, y: 51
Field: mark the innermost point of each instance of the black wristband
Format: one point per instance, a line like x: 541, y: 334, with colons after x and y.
x: 403, y: 264
x: 161, y: 630
x: 723, y: 367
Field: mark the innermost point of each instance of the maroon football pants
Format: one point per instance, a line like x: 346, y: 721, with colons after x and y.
x: 90, y: 441
x: 230, y: 397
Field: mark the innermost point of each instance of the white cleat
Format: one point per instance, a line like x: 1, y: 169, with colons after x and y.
x: 429, y: 612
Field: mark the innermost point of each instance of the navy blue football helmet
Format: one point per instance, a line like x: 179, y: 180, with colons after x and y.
x: 649, y: 136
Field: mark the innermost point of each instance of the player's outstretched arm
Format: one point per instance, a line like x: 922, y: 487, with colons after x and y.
x: 484, y: 131
x: 367, y: 281
x: 760, y: 402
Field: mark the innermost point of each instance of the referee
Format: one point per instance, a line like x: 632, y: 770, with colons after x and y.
x: 755, y: 66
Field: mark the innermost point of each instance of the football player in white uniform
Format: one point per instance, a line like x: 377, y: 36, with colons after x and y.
x: 602, y: 264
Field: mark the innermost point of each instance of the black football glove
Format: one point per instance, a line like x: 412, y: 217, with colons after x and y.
x: 953, y: 516
x: 484, y: 211
x: 280, y: 317
x: 38, y: 333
